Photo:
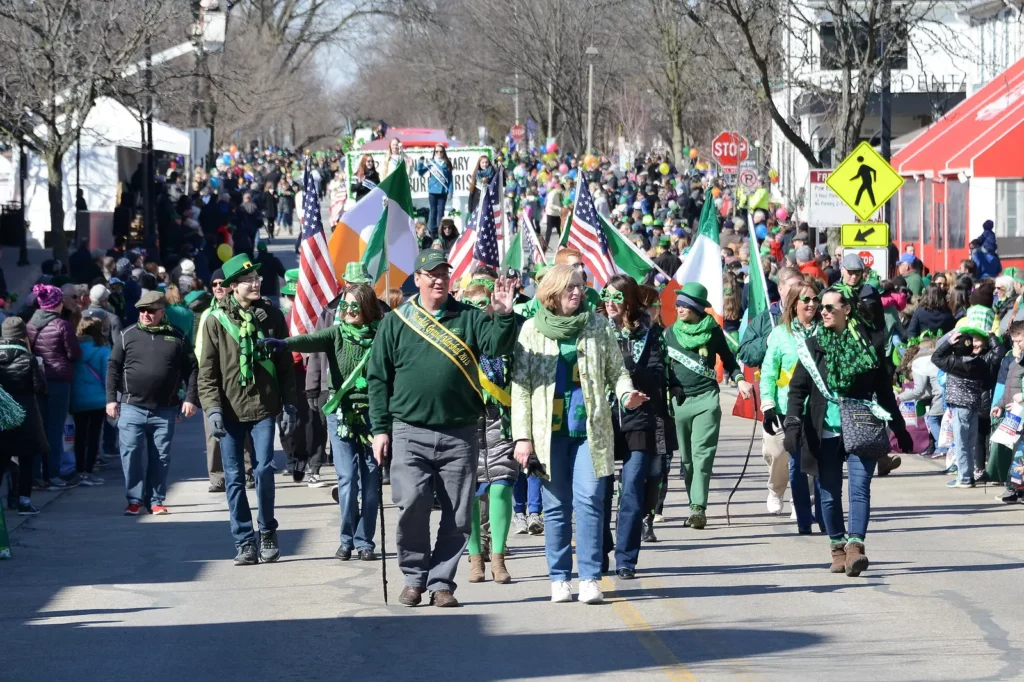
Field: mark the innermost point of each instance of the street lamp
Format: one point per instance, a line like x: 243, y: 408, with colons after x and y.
x: 591, y: 53
x: 757, y: 157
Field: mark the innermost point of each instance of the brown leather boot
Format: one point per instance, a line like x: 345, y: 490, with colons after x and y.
x: 476, y: 568
x: 856, y: 560
x: 838, y: 559
x: 498, y: 569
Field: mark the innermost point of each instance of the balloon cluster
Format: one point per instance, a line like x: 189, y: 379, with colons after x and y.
x: 773, y: 176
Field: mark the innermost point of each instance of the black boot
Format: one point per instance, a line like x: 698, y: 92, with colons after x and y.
x: 648, y: 530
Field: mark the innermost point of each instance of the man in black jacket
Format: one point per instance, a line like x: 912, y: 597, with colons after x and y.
x: 148, y: 365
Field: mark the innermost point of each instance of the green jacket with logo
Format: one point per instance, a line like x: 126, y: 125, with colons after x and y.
x: 219, y: 376
x: 412, y: 381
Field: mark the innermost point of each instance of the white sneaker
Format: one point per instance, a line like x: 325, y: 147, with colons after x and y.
x: 774, y: 503
x: 590, y: 593
x: 792, y: 513
x: 561, y: 592
x: 519, y: 523
x: 658, y: 518
x: 314, y: 481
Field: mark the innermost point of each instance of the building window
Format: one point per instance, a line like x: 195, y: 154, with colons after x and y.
x: 1009, y: 208
x: 956, y: 210
x: 854, y: 41
x: 910, y: 212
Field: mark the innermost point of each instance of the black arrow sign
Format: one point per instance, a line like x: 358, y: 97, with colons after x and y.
x: 862, y: 235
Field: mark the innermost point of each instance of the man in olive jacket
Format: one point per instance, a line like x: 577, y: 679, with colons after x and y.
x: 242, y: 390
x: 423, y: 399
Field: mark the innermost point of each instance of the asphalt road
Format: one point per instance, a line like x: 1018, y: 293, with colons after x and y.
x: 91, y: 594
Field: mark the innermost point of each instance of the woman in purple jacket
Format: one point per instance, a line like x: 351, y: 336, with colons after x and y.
x: 53, y: 339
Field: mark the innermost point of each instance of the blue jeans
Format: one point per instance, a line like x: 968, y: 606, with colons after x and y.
x: 232, y: 457
x: 526, y: 495
x: 357, y: 473
x: 801, y: 494
x: 629, y: 523
x: 859, y: 471
x: 54, y: 408
x: 435, y: 202
x: 284, y: 217
x: 965, y: 439
x: 146, y: 452
x: 110, y: 437
x: 573, y: 486
x: 934, y: 423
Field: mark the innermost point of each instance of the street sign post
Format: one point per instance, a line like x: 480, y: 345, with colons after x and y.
x: 864, y: 181
x: 874, y: 259
x: 824, y: 208
x: 864, y: 235
x: 729, y: 149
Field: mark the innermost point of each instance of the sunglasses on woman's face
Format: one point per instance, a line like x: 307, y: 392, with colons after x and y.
x: 831, y: 307
x: 480, y: 303
x: 350, y: 308
x: 612, y: 296
x: 807, y: 299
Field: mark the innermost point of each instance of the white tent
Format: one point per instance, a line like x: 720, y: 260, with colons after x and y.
x: 107, y: 154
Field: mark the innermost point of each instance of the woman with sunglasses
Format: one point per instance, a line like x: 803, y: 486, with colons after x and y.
x: 347, y: 344
x: 642, y: 437
x: 497, y: 469
x: 799, y: 320
x: 440, y: 185
x: 565, y: 360
x: 366, y: 178
x: 840, y: 373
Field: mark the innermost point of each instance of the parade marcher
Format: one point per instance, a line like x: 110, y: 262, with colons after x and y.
x: 149, y: 364
x: 434, y: 424
x: 799, y: 319
x: 22, y: 377
x: 643, y: 437
x: 243, y: 391
x: 848, y: 397
x: 695, y: 343
x: 440, y: 185
x: 347, y: 344
x: 566, y: 360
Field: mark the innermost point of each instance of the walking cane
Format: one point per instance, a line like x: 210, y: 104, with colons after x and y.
x: 383, y: 548
x: 750, y: 447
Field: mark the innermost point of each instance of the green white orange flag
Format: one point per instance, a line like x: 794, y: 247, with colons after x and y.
x: 703, y: 262
x: 375, y: 257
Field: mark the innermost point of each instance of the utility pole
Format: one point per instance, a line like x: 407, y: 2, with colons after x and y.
x: 147, y: 151
x: 885, y: 104
x: 551, y: 109
x: 591, y: 53
x: 517, y: 96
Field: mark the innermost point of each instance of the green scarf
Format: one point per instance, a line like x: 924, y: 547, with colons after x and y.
x: 847, y: 354
x: 248, y: 334
x: 360, y: 336
x: 560, y: 327
x: 158, y: 329
x: 692, y: 335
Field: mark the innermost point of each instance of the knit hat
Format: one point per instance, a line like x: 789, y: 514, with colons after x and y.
x: 98, y: 293
x: 804, y: 254
x: 187, y: 266
x: 14, y: 329
x: 123, y: 269
x: 978, y: 321
x: 49, y: 297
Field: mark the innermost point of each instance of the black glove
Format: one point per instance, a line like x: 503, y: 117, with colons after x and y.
x: 274, y: 345
x: 793, y: 434
x: 288, y: 420
x: 216, y: 421
x: 771, y: 421
x: 903, y: 439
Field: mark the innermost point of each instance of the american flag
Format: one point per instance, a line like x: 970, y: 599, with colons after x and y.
x: 317, y: 284
x: 478, y: 243
x: 530, y: 243
x: 586, y: 235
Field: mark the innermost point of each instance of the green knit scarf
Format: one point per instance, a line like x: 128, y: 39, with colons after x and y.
x: 560, y: 327
x: 847, y: 354
x: 360, y: 336
x: 692, y: 335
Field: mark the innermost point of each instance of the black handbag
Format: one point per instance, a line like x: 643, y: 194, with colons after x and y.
x: 864, y: 434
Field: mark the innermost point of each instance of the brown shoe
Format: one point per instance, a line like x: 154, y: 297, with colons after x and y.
x: 476, y: 568
x: 856, y: 560
x: 444, y: 599
x: 411, y: 596
x: 838, y: 559
x: 498, y: 569
x: 888, y: 463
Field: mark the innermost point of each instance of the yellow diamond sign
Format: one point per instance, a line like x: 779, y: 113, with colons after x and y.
x: 865, y: 181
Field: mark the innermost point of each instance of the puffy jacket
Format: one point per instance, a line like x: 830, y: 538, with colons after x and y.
x: 54, y: 341
x: 926, y: 385
x: 22, y: 378
x: 89, y: 389
x: 496, y: 461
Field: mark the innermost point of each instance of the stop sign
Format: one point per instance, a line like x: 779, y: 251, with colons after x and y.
x: 868, y: 258
x: 518, y: 132
x: 730, y: 149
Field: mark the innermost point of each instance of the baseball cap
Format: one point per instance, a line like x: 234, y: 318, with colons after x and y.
x: 428, y: 259
x: 907, y: 258
x: 852, y: 262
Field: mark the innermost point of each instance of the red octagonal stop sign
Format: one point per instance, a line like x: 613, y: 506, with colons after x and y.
x: 868, y: 258
x: 730, y: 149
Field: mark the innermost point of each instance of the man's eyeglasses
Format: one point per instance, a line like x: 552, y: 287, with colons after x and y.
x: 251, y: 281
x: 352, y: 307
x: 480, y: 303
x: 612, y: 296
x: 445, y: 274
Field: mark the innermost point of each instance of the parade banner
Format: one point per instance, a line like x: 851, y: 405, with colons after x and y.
x: 464, y: 160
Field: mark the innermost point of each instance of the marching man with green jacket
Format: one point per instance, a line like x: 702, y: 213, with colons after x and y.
x: 425, y: 387
x: 242, y: 390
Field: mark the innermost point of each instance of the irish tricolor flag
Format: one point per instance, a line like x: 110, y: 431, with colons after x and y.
x: 703, y: 262
x: 389, y: 204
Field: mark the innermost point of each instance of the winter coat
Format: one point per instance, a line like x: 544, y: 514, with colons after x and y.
x: 22, y: 377
x: 54, y: 340
x: 197, y: 302
x: 754, y: 344
x: 929, y: 320
x: 926, y: 385
x: 647, y: 428
x: 434, y: 186
x: 969, y: 377
x: 89, y: 389
x: 495, y: 461
x: 1012, y: 384
x: 360, y: 188
x: 182, y: 319
x: 113, y: 321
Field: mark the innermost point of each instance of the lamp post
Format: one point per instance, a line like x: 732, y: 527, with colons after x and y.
x: 757, y: 157
x: 591, y: 53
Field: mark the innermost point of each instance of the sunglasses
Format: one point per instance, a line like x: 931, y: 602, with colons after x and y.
x: 610, y: 296
x: 807, y: 299
x: 481, y: 303
x: 830, y: 307
x: 351, y: 308
x: 218, y: 284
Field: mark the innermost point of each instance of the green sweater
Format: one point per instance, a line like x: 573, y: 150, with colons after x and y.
x: 412, y: 381
x: 717, y: 347
x: 329, y: 341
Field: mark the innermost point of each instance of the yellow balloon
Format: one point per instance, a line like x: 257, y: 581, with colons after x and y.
x: 663, y: 169
x: 224, y: 252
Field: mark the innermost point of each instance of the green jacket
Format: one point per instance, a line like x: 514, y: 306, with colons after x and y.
x: 412, y: 381
x: 777, y: 371
x: 328, y: 341
x: 182, y: 319
x: 914, y: 282
x: 717, y: 347
x: 219, y: 375
x: 755, y: 338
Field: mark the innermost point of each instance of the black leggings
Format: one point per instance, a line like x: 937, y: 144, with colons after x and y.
x: 20, y: 474
x: 555, y: 226
x: 88, y: 428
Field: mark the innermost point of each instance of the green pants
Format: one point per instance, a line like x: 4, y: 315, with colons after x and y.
x: 698, y: 420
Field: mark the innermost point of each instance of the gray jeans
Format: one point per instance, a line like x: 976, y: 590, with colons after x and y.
x: 425, y: 461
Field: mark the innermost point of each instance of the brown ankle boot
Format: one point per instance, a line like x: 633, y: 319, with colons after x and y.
x: 476, y: 568
x: 498, y: 569
x: 838, y: 559
x: 856, y: 560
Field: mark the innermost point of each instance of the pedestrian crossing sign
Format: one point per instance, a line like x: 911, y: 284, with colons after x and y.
x: 864, y: 181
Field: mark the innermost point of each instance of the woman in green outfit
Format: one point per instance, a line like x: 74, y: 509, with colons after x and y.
x: 695, y: 343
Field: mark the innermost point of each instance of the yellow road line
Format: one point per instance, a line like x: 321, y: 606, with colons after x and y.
x: 663, y: 656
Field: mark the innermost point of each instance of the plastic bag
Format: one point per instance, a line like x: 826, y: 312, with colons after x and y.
x: 1008, y: 431
x: 908, y: 409
x: 946, y: 430
x: 67, y: 457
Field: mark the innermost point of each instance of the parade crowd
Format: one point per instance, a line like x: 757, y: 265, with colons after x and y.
x: 512, y: 401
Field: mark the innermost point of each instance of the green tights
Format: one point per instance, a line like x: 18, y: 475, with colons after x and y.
x: 500, y: 511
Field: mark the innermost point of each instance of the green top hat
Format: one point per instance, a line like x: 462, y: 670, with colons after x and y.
x: 696, y: 292
x: 291, y: 280
x: 356, y: 273
x: 978, y: 321
x: 237, y: 266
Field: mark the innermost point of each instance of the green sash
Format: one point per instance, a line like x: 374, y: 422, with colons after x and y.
x: 689, y: 363
x: 233, y: 331
x: 453, y: 348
